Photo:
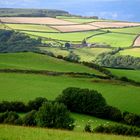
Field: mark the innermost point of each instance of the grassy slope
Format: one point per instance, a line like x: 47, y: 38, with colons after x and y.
x: 25, y: 87
x: 25, y: 133
x: 40, y: 62
x: 31, y: 27
x: 114, y: 39
x: 132, y: 74
x: 77, y: 36
x: 133, y: 52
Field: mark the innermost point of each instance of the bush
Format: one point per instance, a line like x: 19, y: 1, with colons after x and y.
x: 83, y: 101
x: 29, y: 119
x: 87, y: 128
x: 13, y: 106
x: 9, y: 117
x: 36, y: 104
x: 112, y: 113
x: 131, y: 119
x: 118, y: 130
x: 54, y: 115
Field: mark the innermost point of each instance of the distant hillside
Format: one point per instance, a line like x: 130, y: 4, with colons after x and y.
x: 11, y: 41
x: 10, y: 12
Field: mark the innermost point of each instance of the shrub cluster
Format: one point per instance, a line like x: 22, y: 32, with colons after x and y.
x: 22, y: 107
x: 118, y: 130
x: 50, y: 114
x: 131, y: 119
x: 9, y: 117
x: 83, y: 101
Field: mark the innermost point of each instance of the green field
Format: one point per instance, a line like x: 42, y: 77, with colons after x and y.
x: 131, y: 74
x: 25, y: 87
x: 81, y: 120
x: 130, y: 30
x: 79, y: 20
x: 32, y: 61
x: 26, y: 133
x: 31, y: 27
x: 89, y: 54
x: 114, y: 39
x: 132, y: 52
x: 77, y: 36
x: 85, y: 54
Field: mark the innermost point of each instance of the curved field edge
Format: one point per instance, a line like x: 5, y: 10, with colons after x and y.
x: 27, y: 133
x: 26, y: 87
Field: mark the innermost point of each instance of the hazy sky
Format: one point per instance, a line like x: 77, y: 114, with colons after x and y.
x: 111, y: 9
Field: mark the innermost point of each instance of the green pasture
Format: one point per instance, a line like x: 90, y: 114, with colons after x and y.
x: 25, y: 87
x: 8, y: 132
x: 114, y: 39
x: 131, y: 74
x: 129, y: 30
x: 33, y: 61
x: 132, y: 52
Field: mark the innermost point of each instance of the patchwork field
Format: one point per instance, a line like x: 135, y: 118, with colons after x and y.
x: 27, y: 133
x: 132, y: 52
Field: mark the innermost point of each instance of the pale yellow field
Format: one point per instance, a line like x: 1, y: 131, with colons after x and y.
x: 30, y: 20
x: 114, y: 24
x: 72, y: 28
x: 137, y: 42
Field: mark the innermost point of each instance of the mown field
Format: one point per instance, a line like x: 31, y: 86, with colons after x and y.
x: 132, y: 52
x: 26, y: 133
x: 33, y: 61
x: 114, y: 39
x: 24, y: 87
x: 130, y: 30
